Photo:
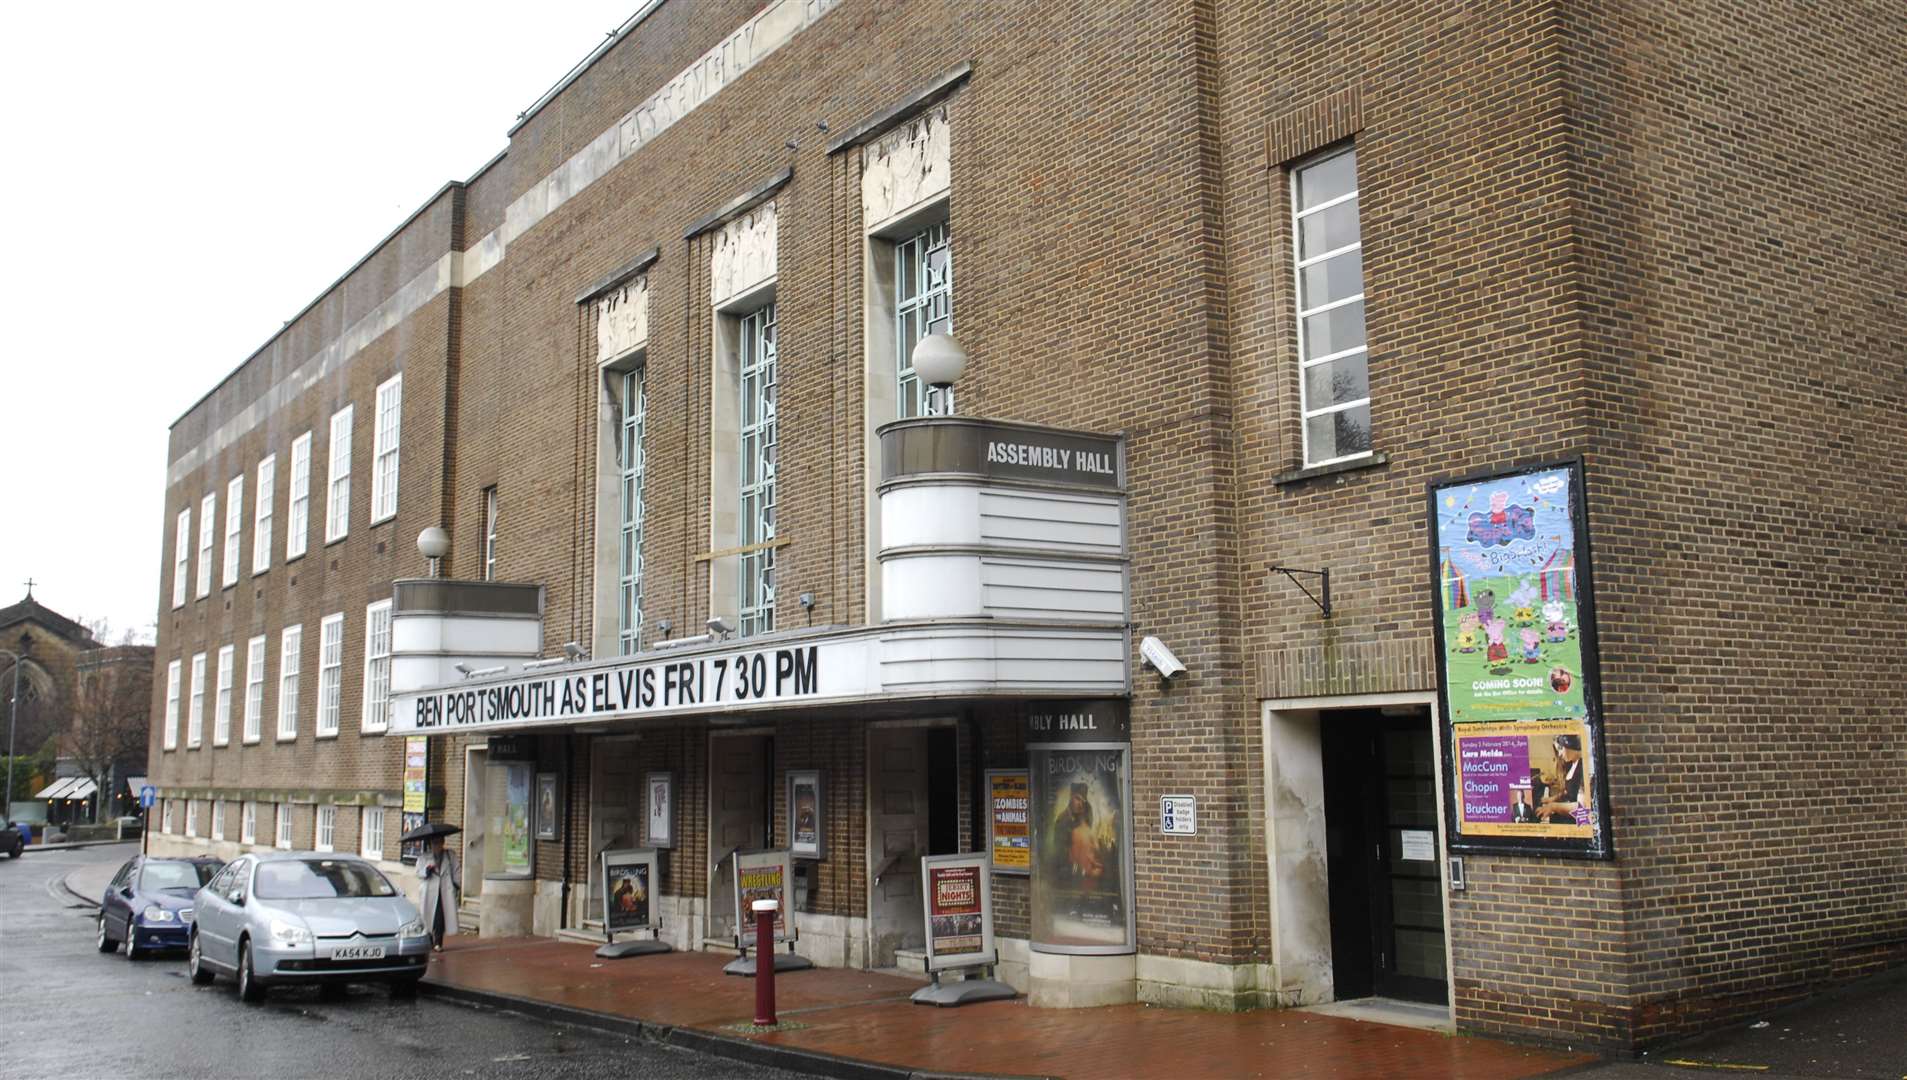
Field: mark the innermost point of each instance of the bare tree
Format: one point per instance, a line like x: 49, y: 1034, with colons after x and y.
x: 109, y: 725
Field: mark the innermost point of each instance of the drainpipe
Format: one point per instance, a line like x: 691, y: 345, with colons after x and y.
x: 569, y: 767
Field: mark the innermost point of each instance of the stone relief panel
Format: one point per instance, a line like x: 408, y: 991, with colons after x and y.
x: 744, y: 254
x: 905, y: 168
x: 622, y: 320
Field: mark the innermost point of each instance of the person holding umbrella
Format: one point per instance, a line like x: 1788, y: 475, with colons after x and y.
x: 437, y: 868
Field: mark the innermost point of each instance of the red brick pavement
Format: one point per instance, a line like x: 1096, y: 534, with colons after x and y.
x: 859, y: 1014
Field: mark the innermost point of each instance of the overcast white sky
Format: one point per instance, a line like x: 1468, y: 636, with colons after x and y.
x: 179, y: 180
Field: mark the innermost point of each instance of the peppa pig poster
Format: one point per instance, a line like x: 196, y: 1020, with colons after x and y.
x: 1509, y: 597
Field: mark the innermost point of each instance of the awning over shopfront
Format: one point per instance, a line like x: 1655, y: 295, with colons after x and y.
x: 69, y: 787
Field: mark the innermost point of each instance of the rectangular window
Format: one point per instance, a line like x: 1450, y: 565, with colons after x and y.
x: 234, y: 521
x: 248, y: 825
x: 254, y: 687
x: 283, y: 817
x: 218, y: 819
x: 632, y: 458
x: 923, y: 304
x: 172, y: 705
x: 330, y: 672
x: 327, y: 827
x: 337, y: 499
x: 371, y: 842
x: 261, y: 515
x: 165, y: 817
x: 384, y: 449
x: 208, y: 510
x: 222, y: 705
x: 289, y: 645
x: 377, y: 666
x: 758, y: 441
x: 181, y: 557
x: 490, y: 533
x: 195, y: 714
x: 192, y: 817
x: 1333, y: 372
x: 298, y: 519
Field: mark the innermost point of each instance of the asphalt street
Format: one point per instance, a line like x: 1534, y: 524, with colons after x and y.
x: 72, y: 1013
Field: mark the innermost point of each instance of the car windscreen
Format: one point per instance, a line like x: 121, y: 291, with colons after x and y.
x: 175, y: 875
x: 318, y: 879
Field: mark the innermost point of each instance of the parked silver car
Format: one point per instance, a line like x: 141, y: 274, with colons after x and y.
x: 279, y: 917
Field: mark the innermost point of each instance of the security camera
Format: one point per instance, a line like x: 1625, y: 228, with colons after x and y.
x: 464, y: 669
x: 575, y: 651
x: 720, y: 626
x: 1154, y: 652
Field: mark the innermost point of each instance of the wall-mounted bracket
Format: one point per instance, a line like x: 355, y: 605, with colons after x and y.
x: 1322, y: 597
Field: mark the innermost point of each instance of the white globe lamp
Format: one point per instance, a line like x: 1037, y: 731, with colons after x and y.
x: 939, y: 361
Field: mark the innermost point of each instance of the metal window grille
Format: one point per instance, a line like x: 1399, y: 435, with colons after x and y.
x: 923, y: 304
x: 1334, y: 373
x: 758, y: 443
x: 330, y: 672
x: 632, y: 457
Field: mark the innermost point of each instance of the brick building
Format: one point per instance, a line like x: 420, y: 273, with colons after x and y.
x: 1289, y: 272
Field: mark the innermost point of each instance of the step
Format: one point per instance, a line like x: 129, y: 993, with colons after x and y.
x: 911, y: 961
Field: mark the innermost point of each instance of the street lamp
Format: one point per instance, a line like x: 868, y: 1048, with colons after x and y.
x: 432, y: 544
x: 13, y: 721
x: 939, y: 361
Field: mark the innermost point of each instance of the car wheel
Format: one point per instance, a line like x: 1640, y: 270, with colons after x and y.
x: 194, y: 962
x: 249, y: 988
x: 133, y: 951
x: 103, y: 939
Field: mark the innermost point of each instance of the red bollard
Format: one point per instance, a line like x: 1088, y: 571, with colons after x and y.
x: 765, y: 963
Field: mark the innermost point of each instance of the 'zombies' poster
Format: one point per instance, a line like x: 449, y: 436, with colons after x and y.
x: 1082, y: 874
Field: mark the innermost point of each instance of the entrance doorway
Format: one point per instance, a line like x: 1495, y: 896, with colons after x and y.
x: 913, y: 810
x: 1386, y: 888
x: 615, y: 808
x: 739, y: 802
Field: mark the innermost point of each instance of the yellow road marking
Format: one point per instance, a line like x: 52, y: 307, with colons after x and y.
x: 1685, y: 1063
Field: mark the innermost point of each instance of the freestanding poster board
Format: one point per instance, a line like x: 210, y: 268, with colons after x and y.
x: 631, y: 879
x: 764, y: 875
x: 957, y: 895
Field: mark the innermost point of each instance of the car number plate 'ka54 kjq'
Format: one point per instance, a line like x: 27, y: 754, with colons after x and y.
x: 358, y: 952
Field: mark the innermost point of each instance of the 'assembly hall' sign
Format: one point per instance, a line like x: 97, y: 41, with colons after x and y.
x: 708, y: 682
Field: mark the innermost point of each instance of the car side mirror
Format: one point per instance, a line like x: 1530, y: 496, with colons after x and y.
x: 126, y: 891
x: 236, y: 896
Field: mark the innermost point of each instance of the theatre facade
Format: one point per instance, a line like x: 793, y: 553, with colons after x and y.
x: 1353, y: 556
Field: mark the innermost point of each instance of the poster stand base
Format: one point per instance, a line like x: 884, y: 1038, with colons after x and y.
x: 620, y: 950
x: 787, y: 961
x: 964, y: 992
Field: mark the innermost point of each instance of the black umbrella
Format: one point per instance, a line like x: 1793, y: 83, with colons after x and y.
x: 428, y: 830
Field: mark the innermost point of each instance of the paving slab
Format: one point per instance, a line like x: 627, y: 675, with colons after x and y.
x: 865, y: 1016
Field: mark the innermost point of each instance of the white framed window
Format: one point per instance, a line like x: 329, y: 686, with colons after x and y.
x: 290, y: 644
x: 377, y: 666
x: 165, y: 817
x: 758, y: 355
x: 181, y: 557
x: 371, y: 843
x: 1333, y: 364
x: 254, y: 687
x: 218, y: 819
x: 923, y: 304
x: 248, y: 824
x: 330, y: 672
x: 261, y: 514
x: 632, y: 462
x: 192, y: 817
x: 490, y: 533
x: 298, y: 513
x: 384, y: 443
x: 208, y: 510
x: 172, y: 706
x: 222, y: 704
x: 283, y: 830
x: 337, y: 498
x: 234, y: 522
x: 195, y: 712
x: 327, y: 827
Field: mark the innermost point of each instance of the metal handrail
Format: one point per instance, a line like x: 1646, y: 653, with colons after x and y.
x: 892, y: 861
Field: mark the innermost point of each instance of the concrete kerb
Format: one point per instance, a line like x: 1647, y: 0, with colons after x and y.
x: 793, y: 1059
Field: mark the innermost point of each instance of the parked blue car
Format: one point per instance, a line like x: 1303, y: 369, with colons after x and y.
x: 148, y: 905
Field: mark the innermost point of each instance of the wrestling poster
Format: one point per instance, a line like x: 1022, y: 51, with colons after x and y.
x: 761, y: 875
x: 1514, y: 619
x: 1081, y: 894
x: 629, y: 879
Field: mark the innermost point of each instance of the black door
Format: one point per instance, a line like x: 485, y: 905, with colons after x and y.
x: 1380, y: 812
